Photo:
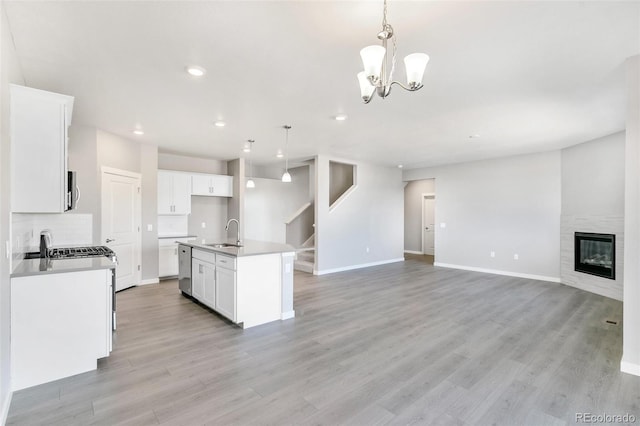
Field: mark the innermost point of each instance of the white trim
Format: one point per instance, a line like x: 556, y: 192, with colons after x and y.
x: 149, y: 281
x: 362, y: 265
x: 413, y: 252
x: 298, y: 213
x: 120, y: 172
x: 5, y: 407
x: 287, y: 315
x: 343, y: 197
x: 630, y: 368
x: 498, y: 272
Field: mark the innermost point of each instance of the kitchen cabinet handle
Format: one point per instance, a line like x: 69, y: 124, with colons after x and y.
x: 108, y: 240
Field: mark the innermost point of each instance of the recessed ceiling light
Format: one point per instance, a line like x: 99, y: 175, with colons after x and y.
x: 195, y: 70
x: 400, y: 166
x: 341, y: 117
x: 219, y: 124
x: 138, y: 132
x: 279, y: 154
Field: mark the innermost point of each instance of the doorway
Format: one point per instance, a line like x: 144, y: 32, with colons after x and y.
x: 428, y: 224
x: 121, y: 218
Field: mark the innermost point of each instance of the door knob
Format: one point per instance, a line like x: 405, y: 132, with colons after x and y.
x: 108, y: 240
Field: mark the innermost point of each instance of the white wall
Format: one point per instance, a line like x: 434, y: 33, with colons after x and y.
x: 508, y: 206
x: 271, y: 203
x: 631, y: 308
x: 89, y: 150
x: 593, y: 177
x: 9, y: 73
x: 413, y: 200
x: 371, y: 216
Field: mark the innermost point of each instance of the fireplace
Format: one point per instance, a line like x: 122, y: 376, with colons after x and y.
x: 595, y: 254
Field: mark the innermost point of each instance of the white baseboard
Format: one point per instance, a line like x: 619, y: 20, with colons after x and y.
x: 150, y: 281
x: 630, y: 368
x: 362, y: 265
x: 5, y: 407
x: 287, y: 315
x: 498, y: 272
x: 413, y: 252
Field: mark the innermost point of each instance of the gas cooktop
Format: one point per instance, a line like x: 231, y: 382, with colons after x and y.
x: 74, y: 252
x: 77, y: 252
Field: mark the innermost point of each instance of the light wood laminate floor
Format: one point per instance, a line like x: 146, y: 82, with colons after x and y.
x: 405, y: 343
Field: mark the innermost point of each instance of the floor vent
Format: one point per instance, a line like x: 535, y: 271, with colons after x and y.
x: 612, y: 322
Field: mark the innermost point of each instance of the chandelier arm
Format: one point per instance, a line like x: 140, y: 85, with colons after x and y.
x: 409, y: 89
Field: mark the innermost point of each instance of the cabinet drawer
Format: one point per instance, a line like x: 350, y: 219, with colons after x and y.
x: 227, y: 262
x: 205, y: 256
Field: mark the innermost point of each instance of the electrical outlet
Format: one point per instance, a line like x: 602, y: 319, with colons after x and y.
x: 367, y: 249
x: 150, y: 227
x: 492, y: 254
x: 516, y: 257
x: 203, y: 225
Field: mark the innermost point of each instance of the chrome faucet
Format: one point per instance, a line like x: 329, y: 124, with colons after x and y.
x: 226, y: 228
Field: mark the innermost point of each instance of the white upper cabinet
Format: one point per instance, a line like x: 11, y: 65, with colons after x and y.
x: 211, y: 185
x: 39, y: 125
x: 174, y: 192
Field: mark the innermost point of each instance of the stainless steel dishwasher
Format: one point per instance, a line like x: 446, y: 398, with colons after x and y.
x: 184, y: 269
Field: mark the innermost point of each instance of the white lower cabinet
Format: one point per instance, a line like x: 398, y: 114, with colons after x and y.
x: 226, y: 292
x: 168, y: 256
x: 168, y: 260
x: 60, y: 325
x: 203, y: 277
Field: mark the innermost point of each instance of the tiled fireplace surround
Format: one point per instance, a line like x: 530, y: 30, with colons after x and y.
x: 596, y: 224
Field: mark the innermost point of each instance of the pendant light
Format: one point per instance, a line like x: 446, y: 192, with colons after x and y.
x: 286, y: 177
x: 250, y: 182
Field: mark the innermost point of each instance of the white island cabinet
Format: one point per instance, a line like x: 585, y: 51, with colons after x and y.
x: 61, y: 323
x: 250, y: 285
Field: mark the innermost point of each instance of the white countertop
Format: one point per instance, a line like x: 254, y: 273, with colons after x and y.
x: 29, y: 267
x: 249, y: 247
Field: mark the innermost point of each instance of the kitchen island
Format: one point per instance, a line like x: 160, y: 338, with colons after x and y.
x: 250, y: 285
x: 61, y: 318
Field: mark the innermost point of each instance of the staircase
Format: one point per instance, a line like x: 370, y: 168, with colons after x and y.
x: 306, y: 256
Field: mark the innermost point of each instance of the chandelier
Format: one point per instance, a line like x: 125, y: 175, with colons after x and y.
x: 375, y: 59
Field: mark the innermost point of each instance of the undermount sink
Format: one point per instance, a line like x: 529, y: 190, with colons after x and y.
x: 223, y: 245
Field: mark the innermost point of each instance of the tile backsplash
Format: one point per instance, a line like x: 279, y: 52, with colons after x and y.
x: 67, y: 229
x: 169, y: 226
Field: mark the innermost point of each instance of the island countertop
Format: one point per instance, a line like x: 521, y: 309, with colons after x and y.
x: 29, y: 267
x: 249, y: 247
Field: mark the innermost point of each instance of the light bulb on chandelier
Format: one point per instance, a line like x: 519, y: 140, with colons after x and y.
x: 375, y: 58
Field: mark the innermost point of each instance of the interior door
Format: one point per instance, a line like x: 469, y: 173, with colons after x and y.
x: 121, y: 224
x: 428, y: 222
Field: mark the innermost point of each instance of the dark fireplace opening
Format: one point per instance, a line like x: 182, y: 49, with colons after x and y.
x: 595, y: 254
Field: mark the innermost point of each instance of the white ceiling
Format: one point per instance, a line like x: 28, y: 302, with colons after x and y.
x: 525, y: 76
